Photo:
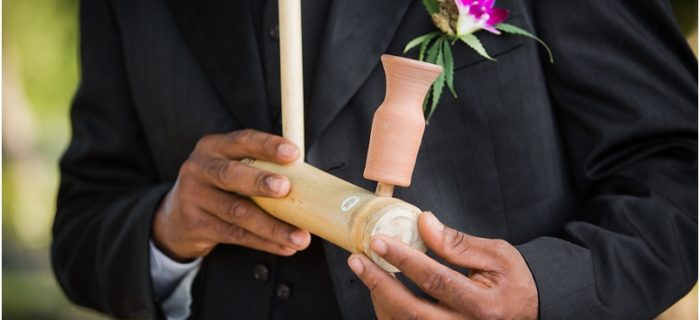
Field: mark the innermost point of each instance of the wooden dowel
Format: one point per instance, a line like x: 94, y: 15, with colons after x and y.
x: 384, y: 189
x: 292, y: 73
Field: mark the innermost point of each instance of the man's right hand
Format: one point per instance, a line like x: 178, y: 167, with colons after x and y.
x: 207, y: 204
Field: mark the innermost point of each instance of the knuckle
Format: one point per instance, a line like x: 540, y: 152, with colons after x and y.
x: 501, y: 247
x: 436, y: 281
x: 260, y: 182
x: 275, y: 228
x: 500, y: 243
x: 192, y: 218
x: 270, y: 144
x: 224, y: 171
x: 242, y: 137
x: 279, y: 230
x: 186, y: 190
x: 235, y: 233
x: 188, y: 167
x: 223, y: 206
x: 455, y: 242
x: 374, y: 287
x: 206, y: 141
x: 238, y: 209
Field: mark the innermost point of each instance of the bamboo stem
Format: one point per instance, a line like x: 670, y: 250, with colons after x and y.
x: 292, y: 73
x: 340, y: 212
x: 384, y: 189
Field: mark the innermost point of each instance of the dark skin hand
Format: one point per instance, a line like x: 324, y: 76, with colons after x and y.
x: 500, y: 285
x: 208, y: 204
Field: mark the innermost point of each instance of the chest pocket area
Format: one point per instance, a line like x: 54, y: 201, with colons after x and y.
x: 505, y: 113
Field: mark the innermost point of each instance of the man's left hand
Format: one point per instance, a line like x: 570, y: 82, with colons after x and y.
x: 500, y: 285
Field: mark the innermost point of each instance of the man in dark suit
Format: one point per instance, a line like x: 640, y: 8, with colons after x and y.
x: 585, y: 169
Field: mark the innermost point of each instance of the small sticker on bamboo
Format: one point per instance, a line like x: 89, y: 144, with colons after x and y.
x: 348, y: 203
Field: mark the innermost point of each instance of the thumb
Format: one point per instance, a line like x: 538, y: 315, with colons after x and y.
x: 455, y: 247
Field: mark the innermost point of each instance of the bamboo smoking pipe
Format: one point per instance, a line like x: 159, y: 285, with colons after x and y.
x: 350, y: 216
x: 335, y: 210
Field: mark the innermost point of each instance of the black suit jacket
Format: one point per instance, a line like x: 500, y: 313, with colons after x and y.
x: 587, y: 165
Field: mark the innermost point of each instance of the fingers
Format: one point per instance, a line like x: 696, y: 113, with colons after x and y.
x: 240, y: 212
x: 216, y: 156
x: 456, y: 247
x: 241, y: 178
x: 252, y: 144
x: 435, y: 279
x: 391, y: 298
x: 221, y: 231
x: 199, y: 210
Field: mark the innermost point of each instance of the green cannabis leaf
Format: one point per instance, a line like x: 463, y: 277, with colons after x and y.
x: 509, y: 28
x: 458, y: 21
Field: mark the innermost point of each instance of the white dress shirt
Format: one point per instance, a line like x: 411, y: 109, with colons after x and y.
x: 172, y: 283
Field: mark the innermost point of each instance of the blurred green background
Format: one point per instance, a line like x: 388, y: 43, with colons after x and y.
x: 39, y: 77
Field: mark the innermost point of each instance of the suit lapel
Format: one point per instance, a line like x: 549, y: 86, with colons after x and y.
x: 357, y: 34
x: 222, y: 36
x: 220, y: 33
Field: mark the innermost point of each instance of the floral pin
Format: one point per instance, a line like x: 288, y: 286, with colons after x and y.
x: 459, y: 20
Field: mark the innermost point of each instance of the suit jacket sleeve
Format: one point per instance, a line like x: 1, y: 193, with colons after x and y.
x: 624, y: 91
x: 109, y: 189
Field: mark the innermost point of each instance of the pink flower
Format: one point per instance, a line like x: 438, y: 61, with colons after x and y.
x: 478, y: 14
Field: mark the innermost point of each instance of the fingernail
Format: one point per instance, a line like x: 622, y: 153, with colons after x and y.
x: 435, y: 223
x: 356, y: 265
x: 287, y: 150
x: 298, y: 238
x: 379, y: 246
x: 276, y: 184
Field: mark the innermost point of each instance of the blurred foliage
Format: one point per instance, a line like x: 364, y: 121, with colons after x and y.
x: 40, y: 74
x: 686, y: 12
x: 42, y: 39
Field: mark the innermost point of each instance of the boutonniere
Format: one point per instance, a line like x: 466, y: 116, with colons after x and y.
x: 458, y: 21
